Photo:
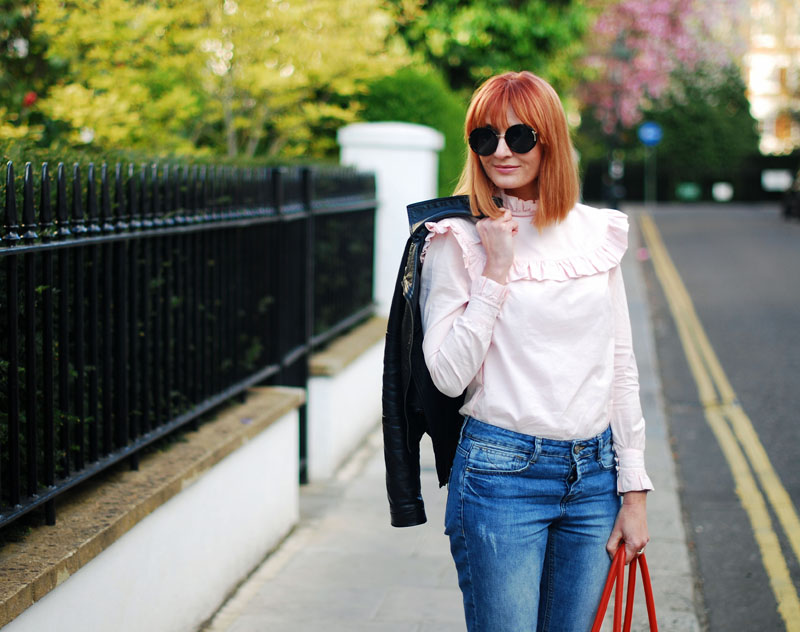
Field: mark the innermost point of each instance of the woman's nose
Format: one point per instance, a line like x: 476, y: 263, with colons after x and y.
x: 502, y: 147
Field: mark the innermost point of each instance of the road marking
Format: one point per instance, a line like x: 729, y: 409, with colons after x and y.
x: 730, y: 423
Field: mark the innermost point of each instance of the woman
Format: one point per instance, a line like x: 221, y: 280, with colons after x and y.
x: 526, y: 310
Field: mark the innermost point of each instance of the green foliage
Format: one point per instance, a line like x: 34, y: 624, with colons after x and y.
x: 470, y: 41
x: 342, y: 267
x: 708, y: 128
x: 25, y: 72
x: 235, y: 78
x: 418, y: 95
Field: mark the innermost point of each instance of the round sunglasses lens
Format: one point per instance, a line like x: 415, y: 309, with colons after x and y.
x: 520, y: 138
x: 483, y: 141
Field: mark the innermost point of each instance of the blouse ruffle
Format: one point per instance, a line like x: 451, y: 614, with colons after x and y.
x: 519, y: 207
x: 602, y: 255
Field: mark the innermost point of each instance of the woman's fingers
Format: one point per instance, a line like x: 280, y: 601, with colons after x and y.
x: 497, y: 239
x: 492, y: 230
x: 630, y: 531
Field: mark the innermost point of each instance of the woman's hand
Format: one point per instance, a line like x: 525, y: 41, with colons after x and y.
x: 497, y: 239
x: 630, y: 527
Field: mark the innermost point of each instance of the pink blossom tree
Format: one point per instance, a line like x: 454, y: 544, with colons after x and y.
x: 635, y: 46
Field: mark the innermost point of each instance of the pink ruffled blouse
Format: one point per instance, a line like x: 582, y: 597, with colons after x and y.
x: 549, y: 354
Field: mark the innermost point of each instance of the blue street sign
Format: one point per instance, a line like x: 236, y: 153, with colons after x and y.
x: 650, y: 133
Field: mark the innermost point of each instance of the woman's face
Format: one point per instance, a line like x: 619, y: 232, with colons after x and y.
x: 517, y: 174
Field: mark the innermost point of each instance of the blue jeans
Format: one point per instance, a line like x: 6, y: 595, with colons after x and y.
x: 528, y: 520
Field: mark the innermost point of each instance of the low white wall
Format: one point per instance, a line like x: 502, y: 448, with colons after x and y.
x: 342, y: 410
x: 174, y: 568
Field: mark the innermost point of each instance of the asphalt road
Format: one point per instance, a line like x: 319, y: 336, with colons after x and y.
x: 741, y: 267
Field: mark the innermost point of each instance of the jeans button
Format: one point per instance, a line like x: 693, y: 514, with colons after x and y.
x: 577, y: 449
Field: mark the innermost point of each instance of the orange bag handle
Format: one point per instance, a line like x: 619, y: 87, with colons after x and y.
x: 616, y: 576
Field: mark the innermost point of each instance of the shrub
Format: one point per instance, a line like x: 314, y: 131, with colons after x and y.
x: 419, y: 95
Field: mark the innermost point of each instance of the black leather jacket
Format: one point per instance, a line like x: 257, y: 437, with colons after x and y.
x: 412, y: 405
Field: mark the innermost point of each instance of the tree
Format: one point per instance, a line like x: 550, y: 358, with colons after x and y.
x: 470, y: 41
x: 708, y: 129
x: 637, y: 45
x: 25, y: 74
x: 241, y: 77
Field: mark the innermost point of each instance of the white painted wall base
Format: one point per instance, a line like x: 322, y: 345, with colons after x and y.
x: 174, y: 568
x: 342, y: 410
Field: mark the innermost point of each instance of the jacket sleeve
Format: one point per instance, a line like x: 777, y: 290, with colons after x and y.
x: 401, y: 452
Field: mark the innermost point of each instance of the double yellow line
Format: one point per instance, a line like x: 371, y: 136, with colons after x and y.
x: 734, y: 431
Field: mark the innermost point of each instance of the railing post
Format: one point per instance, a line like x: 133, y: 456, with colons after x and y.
x: 122, y: 270
x: 276, y: 258
x: 129, y: 425
x: 63, y: 233
x: 48, y: 373
x: 92, y: 370
x: 79, y: 270
x: 308, y: 299
x: 31, y: 435
x: 11, y: 238
x: 108, y: 374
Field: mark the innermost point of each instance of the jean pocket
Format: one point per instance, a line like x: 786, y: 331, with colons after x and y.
x: 608, y: 458
x: 487, y: 458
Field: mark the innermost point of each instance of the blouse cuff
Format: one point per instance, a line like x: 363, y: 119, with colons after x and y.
x: 489, y: 291
x: 632, y: 476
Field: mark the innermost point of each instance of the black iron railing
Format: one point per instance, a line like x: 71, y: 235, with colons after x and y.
x: 135, y: 299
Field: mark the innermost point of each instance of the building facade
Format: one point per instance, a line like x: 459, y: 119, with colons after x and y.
x: 772, y: 73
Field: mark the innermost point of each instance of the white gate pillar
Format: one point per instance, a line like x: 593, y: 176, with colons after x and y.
x: 404, y: 158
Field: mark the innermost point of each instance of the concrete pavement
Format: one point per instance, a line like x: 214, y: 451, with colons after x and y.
x: 345, y: 569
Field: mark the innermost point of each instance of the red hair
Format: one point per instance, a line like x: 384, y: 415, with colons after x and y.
x: 536, y: 104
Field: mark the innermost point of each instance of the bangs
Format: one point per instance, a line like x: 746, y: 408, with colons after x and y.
x: 491, y: 108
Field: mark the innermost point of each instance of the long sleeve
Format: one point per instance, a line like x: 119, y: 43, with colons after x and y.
x: 458, y: 315
x: 627, y: 422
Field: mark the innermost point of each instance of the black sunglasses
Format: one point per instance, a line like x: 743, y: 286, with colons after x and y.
x: 519, y: 138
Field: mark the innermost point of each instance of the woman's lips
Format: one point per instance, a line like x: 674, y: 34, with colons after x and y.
x: 505, y: 168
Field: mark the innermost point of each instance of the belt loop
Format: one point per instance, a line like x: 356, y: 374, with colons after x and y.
x: 537, y: 448
x: 463, y: 427
x: 601, y: 444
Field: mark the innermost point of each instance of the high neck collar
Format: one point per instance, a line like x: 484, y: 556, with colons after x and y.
x: 518, y: 207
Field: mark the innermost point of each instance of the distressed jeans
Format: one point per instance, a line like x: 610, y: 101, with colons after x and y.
x: 528, y: 520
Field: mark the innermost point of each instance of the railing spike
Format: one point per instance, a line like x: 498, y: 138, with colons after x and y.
x: 78, y: 220
x: 91, y: 194
x: 11, y: 223
x: 133, y: 202
x: 119, y: 197
x: 45, y: 208
x: 105, y: 200
x: 28, y: 218
x: 62, y: 217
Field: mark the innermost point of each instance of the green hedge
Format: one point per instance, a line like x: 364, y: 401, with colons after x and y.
x: 419, y: 95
